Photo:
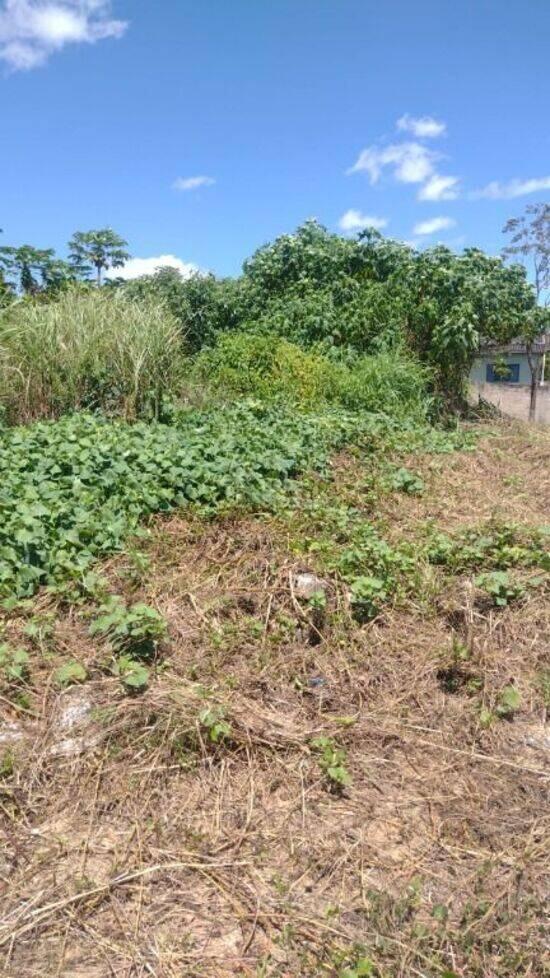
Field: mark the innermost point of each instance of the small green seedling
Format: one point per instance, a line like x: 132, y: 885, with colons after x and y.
x: 332, y: 761
x: 134, y: 631
x: 14, y: 664
x: 133, y: 675
x: 70, y: 674
x: 367, y: 594
x: 213, y: 721
x: 363, y: 968
x: 508, y: 703
x: 500, y: 588
x: 409, y: 482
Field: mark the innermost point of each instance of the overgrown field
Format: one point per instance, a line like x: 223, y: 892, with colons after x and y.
x: 293, y: 726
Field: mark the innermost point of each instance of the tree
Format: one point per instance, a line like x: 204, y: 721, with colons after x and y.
x: 531, y: 240
x: 31, y: 266
x: 99, y: 250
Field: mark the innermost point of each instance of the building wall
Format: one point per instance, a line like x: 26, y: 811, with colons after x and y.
x: 513, y: 400
x: 478, y: 373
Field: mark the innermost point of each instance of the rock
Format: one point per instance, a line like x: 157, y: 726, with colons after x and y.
x: 10, y: 733
x: 306, y: 585
x: 73, y: 714
x: 74, y: 709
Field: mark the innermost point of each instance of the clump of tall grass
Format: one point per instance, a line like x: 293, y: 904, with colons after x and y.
x: 94, y: 350
x: 268, y: 367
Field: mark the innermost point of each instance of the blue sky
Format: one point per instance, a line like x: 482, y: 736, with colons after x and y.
x: 431, y: 116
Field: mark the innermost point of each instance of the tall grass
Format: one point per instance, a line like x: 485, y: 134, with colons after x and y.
x: 97, y: 350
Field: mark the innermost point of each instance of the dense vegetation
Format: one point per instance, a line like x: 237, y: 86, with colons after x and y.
x: 329, y: 337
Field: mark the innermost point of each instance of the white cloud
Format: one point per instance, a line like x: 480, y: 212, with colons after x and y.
x: 192, y: 183
x: 136, y: 267
x: 354, y: 220
x: 514, y: 188
x: 439, y: 188
x: 433, y: 225
x: 410, y: 162
x: 423, y: 127
x: 32, y: 30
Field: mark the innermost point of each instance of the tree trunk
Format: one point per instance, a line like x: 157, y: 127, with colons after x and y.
x: 534, y: 368
x: 98, y: 276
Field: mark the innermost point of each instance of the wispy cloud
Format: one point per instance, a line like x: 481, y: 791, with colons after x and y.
x: 136, y: 267
x: 32, y: 30
x: 514, y: 188
x: 433, y: 225
x: 409, y: 162
x: 422, y: 127
x: 439, y: 188
x: 354, y: 220
x: 192, y: 183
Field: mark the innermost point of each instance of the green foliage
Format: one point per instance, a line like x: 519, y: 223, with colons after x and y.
x: 332, y: 761
x: 133, y: 631
x: 213, y: 721
x: 132, y: 674
x: 71, y: 673
x: 202, y: 305
x: 97, y: 250
x: 500, y: 587
x: 497, y: 546
x: 367, y: 596
x: 14, y: 664
x: 74, y: 490
x: 87, y: 350
x: 266, y: 367
x: 509, y: 702
x: 362, y: 968
x: 408, y: 482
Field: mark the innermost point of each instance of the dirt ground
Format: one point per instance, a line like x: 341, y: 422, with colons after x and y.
x: 136, y: 842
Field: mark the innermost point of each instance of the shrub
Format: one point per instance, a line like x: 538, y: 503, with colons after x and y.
x: 87, y: 349
x: 268, y: 367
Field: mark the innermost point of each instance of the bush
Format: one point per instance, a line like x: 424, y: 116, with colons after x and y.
x: 268, y: 367
x: 87, y: 350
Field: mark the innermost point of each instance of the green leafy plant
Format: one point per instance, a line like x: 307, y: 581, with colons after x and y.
x: 14, y: 664
x: 500, y: 588
x: 214, y: 723
x: 367, y: 594
x: 508, y: 703
x: 133, y: 675
x: 408, y: 482
x: 362, y: 968
x: 71, y: 673
x: 332, y: 761
x: 134, y: 631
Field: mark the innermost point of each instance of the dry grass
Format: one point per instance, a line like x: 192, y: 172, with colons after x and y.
x: 133, y: 846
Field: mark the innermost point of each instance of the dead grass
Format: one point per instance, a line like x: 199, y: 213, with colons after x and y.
x: 141, y: 848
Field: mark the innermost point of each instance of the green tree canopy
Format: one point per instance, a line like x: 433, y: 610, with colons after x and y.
x: 97, y: 251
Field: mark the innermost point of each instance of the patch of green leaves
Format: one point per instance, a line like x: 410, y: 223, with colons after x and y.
x: 332, y: 761
x: 214, y: 723
x: 71, y: 673
x: 134, y: 630
x: 133, y: 675
x: 14, y: 664
x: 501, y: 589
x: 403, y: 480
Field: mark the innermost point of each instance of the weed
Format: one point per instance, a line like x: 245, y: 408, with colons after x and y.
x: 71, y: 673
x: 500, y: 588
x: 213, y: 721
x: 14, y: 664
x: 408, y: 482
x: 332, y: 761
x: 134, y: 631
x: 132, y: 674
